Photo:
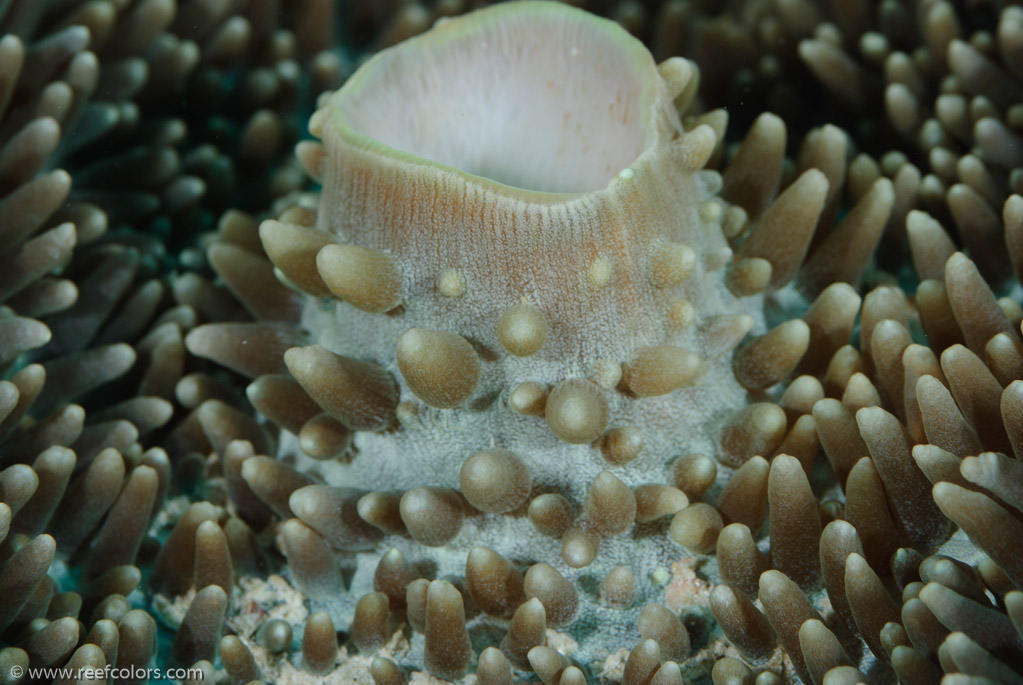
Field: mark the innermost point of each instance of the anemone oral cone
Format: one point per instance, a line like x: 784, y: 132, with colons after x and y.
x: 533, y: 150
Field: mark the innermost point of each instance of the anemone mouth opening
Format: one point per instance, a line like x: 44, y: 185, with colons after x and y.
x: 533, y: 95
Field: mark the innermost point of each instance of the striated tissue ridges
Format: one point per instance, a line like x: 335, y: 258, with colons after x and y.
x: 569, y: 364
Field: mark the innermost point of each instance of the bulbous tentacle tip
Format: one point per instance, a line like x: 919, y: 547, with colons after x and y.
x: 365, y: 278
x: 522, y: 330
x: 495, y: 480
x: 577, y: 411
x: 447, y: 650
x: 671, y: 264
x: 432, y: 515
x: 493, y: 582
x: 362, y: 395
x: 548, y: 664
x: 440, y: 367
x: 660, y: 370
x: 696, y: 146
x: 680, y: 75
x: 493, y: 668
x: 293, y: 248
x: 558, y: 595
x: 386, y: 672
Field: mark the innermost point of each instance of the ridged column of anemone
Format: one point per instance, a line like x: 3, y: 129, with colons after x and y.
x: 697, y: 487
x: 304, y: 419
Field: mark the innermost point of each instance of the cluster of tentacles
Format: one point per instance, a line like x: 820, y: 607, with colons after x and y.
x: 127, y: 129
x: 143, y: 335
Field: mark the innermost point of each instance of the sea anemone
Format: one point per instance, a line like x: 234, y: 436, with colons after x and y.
x: 521, y: 436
